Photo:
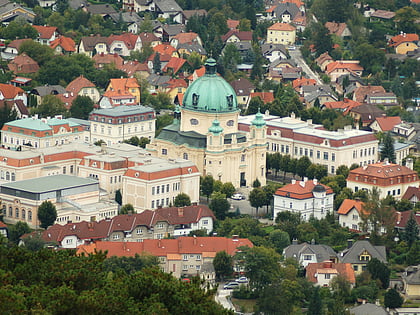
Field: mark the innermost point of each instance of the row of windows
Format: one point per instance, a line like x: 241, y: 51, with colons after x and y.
x: 364, y: 152
x: 161, y: 189
x: 127, y: 130
x: 128, y: 119
x: 185, y: 267
x: 18, y: 213
x: 160, y: 203
x: 114, y: 179
x: 18, y: 141
x: 6, y: 175
x: 186, y: 256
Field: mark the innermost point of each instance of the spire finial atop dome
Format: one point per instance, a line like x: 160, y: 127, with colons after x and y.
x: 210, y: 65
x: 259, y: 119
x: 215, y: 128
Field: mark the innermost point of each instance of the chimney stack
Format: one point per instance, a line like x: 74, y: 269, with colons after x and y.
x: 409, y: 163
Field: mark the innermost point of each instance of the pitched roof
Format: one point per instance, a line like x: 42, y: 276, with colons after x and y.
x: 129, y: 39
x: 344, y: 105
x: 66, y: 43
x: 412, y: 275
x: 266, y: 97
x: 302, y: 189
x: 368, y: 112
x: 45, y: 32
x: 382, y: 170
x: 342, y: 269
x: 350, y: 66
x: 102, y: 9
x: 175, y: 83
x: 89, y: 42
x: 322, y: 252
x: 403, y: 38
x: 9, y: 91
x: 352, y: 255
x: 336, y: 28
x: 185, y: 38
x: 387, y: 123
x: 124, y: 84
x: 79, y: 83
x: 189, y: 13
x: 18, y: 103
x: 242, y: 86
x: 131, y: 67
x: 303, y: 81
x: 17, y: 42
x: 148, y: 37
x: 349, y: 204
x: 232, y: 24
x: 403, y: 217
x: 383, y: 14
x: 368, y: 309
x: 23, y: 64
x: 102, y: 58
x: 361, y: 92
x: 164, y: 49
x: 411, y: 192
x: 242, y: 35
x: 282, y: 27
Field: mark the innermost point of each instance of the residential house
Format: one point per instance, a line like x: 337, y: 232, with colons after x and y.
x: 321, y: 274
x: 92, y: 45
x: 323, y: 60
x: 278, y: 68
x: 338, y: 29
x: 136, y: 5
x: 404, y: 43
x: 338, y: 68
x: 104, y: 10
x: 83, y: 87
x: 116, y: 124
x: 347, y: 83
x: 390, y: 179
x: 157, y: 83
x: 175, y: 89
x: 149, y: 39
x: 285, y: 12
x: 412, y: 194
x: 136, y: 227
x: 382, y: 15
x: 273, y: 52
x: 306, y: 253
x: 166, y: 49
x: 111, y: 99
x: 183, y: 16
x: 10, y: 92
x: 41, y: 133
x: 307, y: 197
x: 134, y: 27
x: 46, y: 34
x: 243, y: 48
x: 9, y: 11
x: 125, y: 84
x: 76, y: 199
x: 23, y: 64
x: 243, y: 89
x: 360, y: 253
x: 297, y: 138
x: 166, y: 9
x: 186, y: 38
x: 237, y: 36
x: 128, y: 18
x: 169, y: 31
x: 21, y: 81
x: 365, y: 114
x: 350, y: 214
x: 135, y: 69
x: 388, y: 99
x: 385, y: 123
x: 317, y: 95
x: 17, y: 106
x: 266, y: 97
x: 4, y: 230
x: 63, y: 45
x: 406, y: 131
x: 343, y: 106
x: 12, y: 50
x: 232, y: 24
x: 124, y: 44
x: 361, y: 92
x: 174, y: 67
x: 368, y: 309
x: 411, y: 280
x: 402, y: 218
x: 281, y: 33
x: 40, y: 91
x: 183, y: 257
x: 101, y: 60
x: 188, y: 49
x: 298, y: 83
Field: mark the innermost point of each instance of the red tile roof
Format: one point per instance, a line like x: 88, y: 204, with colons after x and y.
x: 66, y: 43
x: 266, y: 97
x: 198, y: 72
x: 164, y: 49
x: 17, y: 42
x: 411, y: 192
x: 242, y: 35
x: 102, y: 59
x: 403, y: 38
x: 343, y: 269
x: 298, y: 83
x: 164, y: 247
x: 129, y: 39
x: 186, y: 38
x: 232, y: 24
x: 79, y: 83
x: 124, y: 84
x: 131, y: 67
x: 387, y: 123
x: 23, y: 64
x: 9, y: 91
x: 350, y: 66
x: 148, y: 38
x: 361, y: 92
x: 45, y: 32
x: 282, y: 27
x: 349, y: 204
x: 175, y: 83
x: 175, y: 64
x: 152, y: 175
x: 403, y: 217
x: 301, y: 190
x: 344, y: 105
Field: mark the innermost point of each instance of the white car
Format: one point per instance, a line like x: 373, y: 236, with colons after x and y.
x: 242, y: 280
x: 237, y: 196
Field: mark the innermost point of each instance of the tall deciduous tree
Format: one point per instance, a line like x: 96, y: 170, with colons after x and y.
x: 207, y: 183
x: 17, y: 230
x: 315, y: 303
x: 388, y: 151
x: 257, y: 199
x: 219, y: 205
x: 379, y: 270
x: 393, y: 299
x: 81, y: 107
x: 182, y: 200
x: 223, y: 265
x: 47, y: 214
x: 302, y: 165
x: 228, y: 189
x: 127, y: 208
x: 51, y: 105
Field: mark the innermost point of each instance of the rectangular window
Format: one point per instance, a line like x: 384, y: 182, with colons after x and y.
x: 164, y: 152
x: 157, y: 190
x: 167, y: 187
x: 184, y: 267
x: 153, y: 190
x: 332, y: 156
x: 139, y: 231
x: 318, y: 154
x: 326, y: 156
x: 153, y: 204
x: 327, y: 276
x: 185, y: 257
x: 307, y: 257
x: 311, y: 153
x: 163, y: 189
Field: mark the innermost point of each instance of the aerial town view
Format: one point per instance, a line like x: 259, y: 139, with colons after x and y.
x: 190, y: 157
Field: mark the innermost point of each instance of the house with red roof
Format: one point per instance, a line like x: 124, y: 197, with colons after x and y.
x: 350, y: 214
x: 16, y: 105
x: 113, y: 98
x: 323, y: 60
x: 23, y: 64
x: 164, y: 59
x: 186, y: 38
x: 321, y: 274
x: 360, y: 93
x: 63, y: 45
x: 173, y: 66
x: 338, y: 29
x: 298, y: 83
x: 266, y: 97
x: 183, y: 257
x: 197, y: 73
x: 385, y: 123
x: 404, y: 43
x: 46, y: 34
x: 124, y: 44
x: 281, y: 33
x: 307, y: 197
x: 232, y: 24
x: 13, y: 47
x: 412, y: 194
x: 149, y: 39
x: 9, y: 92
x: 338, y: 68
x: 166, y: 49
x: 83, y: 87
x: 402, y: 218
x: 129, y: 85
x: 389, y: 178
x: 175, y: 88
x: 343, y: 106
x: 101, y: 60
x: 235, y: 35
x: 135, y: 69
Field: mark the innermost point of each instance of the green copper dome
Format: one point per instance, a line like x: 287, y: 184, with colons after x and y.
x: 215, y: 127
x: 210, y: 93
x: 259, y: 120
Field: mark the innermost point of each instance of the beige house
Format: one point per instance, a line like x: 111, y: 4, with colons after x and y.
x: 297, y: 138
x: 411, y: 280
x: 281, y: 33
x: 83, y: 87
x: 92, y: 45
x: 76, y: 199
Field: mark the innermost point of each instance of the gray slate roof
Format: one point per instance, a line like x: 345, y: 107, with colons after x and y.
x: 123, y: 110
x: 168, y: 6
x: 48, y: 89
x: 286, y: 7
x: 368, y: 309
x: 268, y: 48
x: 100, y: 9
x: 412, y: 275
x: 158, y: 80
x: 322, y: 252
x: 127, y: 17
x: 352, y: 254
x: 193, y: 48
x: 173, y: 29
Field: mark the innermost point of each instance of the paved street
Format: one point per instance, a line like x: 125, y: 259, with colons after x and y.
x: 297, y: 57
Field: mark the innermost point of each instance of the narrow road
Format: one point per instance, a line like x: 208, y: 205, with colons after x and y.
x: 297, y: 57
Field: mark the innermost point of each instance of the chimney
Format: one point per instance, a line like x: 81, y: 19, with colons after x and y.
x: 327, y: 264
x: 315, y: 181
x: 294, y: 241
x: 409, y: 163
x: 235, y: 238
x: 195, y: 240
x: 180, y: 212
x: 302, y: 184
x: 293, y: 181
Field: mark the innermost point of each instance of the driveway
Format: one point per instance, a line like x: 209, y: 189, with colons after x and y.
x: 297, y: 57
x: 222, y: 297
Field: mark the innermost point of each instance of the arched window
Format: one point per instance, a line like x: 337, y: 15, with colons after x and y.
x: 23, y: 214
x: 13, y: 177
x: 17, y: 213
x: 29, y: 215
x: 10, y: 211
x: 185, y: 156
x: 7, y: 176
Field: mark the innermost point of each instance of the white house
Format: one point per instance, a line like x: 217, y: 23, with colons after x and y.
x: 349, y: 214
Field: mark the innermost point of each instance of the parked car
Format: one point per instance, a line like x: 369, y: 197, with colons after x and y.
x: 242, y: 280
x: 238, y: 196
x: 231, y: 285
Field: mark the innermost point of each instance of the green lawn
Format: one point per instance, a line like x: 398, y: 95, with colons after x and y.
x: 245, y: 306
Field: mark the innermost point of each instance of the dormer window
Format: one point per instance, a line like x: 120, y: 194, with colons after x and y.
x: 230, y: 101
x: 195, y: 98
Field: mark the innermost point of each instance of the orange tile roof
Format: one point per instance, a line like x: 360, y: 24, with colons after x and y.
x: 403, y: 38
x: 382, y: 170
x: 343, y: 65
x: 66, y: 43
x: 23, y: 64
x: 282, y: 27
x: 297, y: 191
x: 345, y: 104
x: 232, y: 24
x: 349, y: 204
x: 124, y: 84
x: 266, y: 97
x: 45, y: 32
x: 164, y: 49
x: 343, y: 269
x: 303, y: 81
x: 297, y: 2
x: 79, y: 83
x: 9, y: 91
x: 118, y: 94
x: 175, y: 64
x: 101, y: 59
x: 361, y: 92
x: 129, y: 39
x: 387, y: 123
x: 198, y: 72
x: 186, y: 38
x: 175, y: 83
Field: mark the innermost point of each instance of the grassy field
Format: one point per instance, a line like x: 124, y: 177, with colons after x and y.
x: 245, y: 306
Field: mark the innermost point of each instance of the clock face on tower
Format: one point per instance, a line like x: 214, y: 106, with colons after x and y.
x: 193, y: 122
x: 230, y: 123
